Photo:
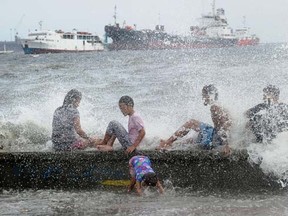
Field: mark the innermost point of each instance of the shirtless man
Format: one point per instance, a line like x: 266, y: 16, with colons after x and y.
x: 208, y: 137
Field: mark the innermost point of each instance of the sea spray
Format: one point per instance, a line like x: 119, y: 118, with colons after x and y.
x: 26, y: 136
x: 272, y: 158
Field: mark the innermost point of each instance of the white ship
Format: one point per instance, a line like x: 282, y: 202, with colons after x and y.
x: 214, y: 25
x: 46, y: 41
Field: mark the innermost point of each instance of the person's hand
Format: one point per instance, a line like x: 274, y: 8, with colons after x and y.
x: 129, y: 189
x: 130, y: 149
x: 226, y: 150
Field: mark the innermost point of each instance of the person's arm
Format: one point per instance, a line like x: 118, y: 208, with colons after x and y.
x: 138, y: 188
x: 79, y: 130
x: 132, y: 184
x: 252, y: 111
x: 137, y: 141
x: 222, y: 118
x: 160, y: 188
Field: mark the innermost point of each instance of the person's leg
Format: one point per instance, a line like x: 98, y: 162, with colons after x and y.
x: 181, y: 132
x: 116, y: 130
x: 111, y: 140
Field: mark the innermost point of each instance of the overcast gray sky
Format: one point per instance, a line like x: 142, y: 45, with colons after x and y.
x: 267, y: 18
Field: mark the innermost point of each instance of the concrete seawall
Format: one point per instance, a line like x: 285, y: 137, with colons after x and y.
x: 74, y: 170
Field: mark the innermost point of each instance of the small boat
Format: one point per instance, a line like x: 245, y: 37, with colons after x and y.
x: 196, y: 169
x: 46, y: 41
x: 5, y: 51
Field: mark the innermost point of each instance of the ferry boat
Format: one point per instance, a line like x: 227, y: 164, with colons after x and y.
x: 47, y: 41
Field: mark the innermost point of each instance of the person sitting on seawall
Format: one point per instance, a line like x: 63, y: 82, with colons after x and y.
x: 269, y: 118
x: 67, y: 133
x: 208, y: 137
x: 129, y: 140
x: 142, y: 174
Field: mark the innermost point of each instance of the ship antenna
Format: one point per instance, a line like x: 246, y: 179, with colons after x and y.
x: 244, y: 21
x: 40, y: 25
x: 213, y: 7
x: 115, y: 14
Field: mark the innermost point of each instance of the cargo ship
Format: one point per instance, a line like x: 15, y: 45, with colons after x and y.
x: 213, y: 31
x: 216, y: 34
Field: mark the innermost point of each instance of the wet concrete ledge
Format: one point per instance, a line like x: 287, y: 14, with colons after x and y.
x: 197, y: 169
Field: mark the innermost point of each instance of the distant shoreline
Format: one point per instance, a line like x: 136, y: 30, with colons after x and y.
x: 11, y: 45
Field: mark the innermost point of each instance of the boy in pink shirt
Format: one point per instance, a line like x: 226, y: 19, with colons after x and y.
x: 129, y: 140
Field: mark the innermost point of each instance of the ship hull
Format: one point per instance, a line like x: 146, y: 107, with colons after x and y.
x: 248, y: 42
x: 28, y: 50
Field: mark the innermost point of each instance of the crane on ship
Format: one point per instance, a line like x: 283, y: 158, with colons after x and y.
x: 17, y: 27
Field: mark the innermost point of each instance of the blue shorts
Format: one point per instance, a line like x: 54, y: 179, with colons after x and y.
x: 207, y: 137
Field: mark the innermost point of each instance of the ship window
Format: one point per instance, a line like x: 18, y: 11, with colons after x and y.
x: 80, y: 37
x: 68, y: 36
x: 84, y: 37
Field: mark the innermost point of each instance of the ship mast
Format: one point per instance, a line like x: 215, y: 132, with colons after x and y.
x: 115, y: 14
x: 244, y: 21
x: 40, y: 25
x: 213, y: 7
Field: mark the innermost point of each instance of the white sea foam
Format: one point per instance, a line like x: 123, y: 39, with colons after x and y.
x: 273, y: 158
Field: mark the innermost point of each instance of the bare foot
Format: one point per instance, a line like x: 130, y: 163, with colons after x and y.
x: 97, y: 141
x: 163, y: 145
x: 104, y: 148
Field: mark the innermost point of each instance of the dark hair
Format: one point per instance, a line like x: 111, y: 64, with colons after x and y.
x: 210, y: 90
x: 127, y: 100
x: 150, y: 179
x: 272, y: 89
x: 71, y: 96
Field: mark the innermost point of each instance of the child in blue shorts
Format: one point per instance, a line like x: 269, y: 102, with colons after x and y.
x: 208, y: 136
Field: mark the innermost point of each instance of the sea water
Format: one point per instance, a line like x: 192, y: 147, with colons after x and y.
x: 166, y: 88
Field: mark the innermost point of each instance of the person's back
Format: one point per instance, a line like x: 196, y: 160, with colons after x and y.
x: 142, y: 174
x: 67, y: 133
x: 63, y: 131
x: 222, y: 124
x: 141, y: 166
